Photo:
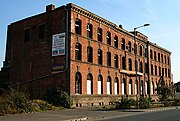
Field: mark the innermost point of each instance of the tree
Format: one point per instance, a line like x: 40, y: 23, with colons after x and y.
x: 163, y: 91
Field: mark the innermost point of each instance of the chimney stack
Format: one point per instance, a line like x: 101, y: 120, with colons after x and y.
x: 50, y: 7
x: 120, y: 26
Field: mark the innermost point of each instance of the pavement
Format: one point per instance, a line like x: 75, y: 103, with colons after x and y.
x: 79, y: 114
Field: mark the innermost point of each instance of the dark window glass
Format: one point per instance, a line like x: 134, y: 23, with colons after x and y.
x: 78, y: 26
x: 130, y: 64
x: 159, y: 58
x: 165, y: 59
x: 124, y: 63
x: 162, y: 60
x: 89, y: 30
x: 41, y: 31
x: 108, y: 37
x: 99, y: 35
x: 168, y: 61
x: 141, y: 67
x: 140, y: 51
x: 129, y: 46
x: 78, y: 51
x: 159, y: 71
x: 108, y: 59
x: 155, y: 56
x: 146, y: 52
x: 26, y: 35
x: 151, y: 69
x: 123, y: 45
x: 155, y: 70
x: 89, y: 54
x: 100, y: 57
x: 146, y: 68
x: 116, y: 61
x: 116, y: 41
x: 162, y: 71
x: 151, y: 55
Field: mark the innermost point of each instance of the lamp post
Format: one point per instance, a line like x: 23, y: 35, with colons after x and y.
x: 135, y: 50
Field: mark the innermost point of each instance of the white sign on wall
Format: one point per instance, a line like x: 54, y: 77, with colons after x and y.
x: 58, y: 44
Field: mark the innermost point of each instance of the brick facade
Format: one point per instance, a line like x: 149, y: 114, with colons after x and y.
x: 89, y: 80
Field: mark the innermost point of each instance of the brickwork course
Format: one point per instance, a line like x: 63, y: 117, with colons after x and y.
x: 98, y: 66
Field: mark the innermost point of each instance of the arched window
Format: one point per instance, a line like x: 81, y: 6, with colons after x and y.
x: 141, y: 67
x: 109, y: 85
x: 116, y: 61
x: 166, y: 75
x: 123, y: 45
x: 108, y: 59
x: 136, y: 65
x: 78, y: 26
x: 108, y: 37
x: 78, y: 51
x: 100, y: 84
x: 159, y: 71
x: 124, y: 86
x: 130, y: 64
x: 155, y: 86
x: 165, y: 59
x: 141, y: 87
x: 116, y: 41
x: 159, y: 57
x: 130, y: 86
x: 140, y: 50
x: 116, y: 86
x: 151, y: 54
x: 155, y: 70
x: 90, y: 54
x: 135, y: 48
x: 152, y: 69
x: 146, y: 68
x: 89, y: 30
x: 99, y: 35
x: 152, y: 87
x: 168, y: 60
x: 89, y: 84
x: 155, y: 58
x: 162, y: 60
x: 146, y: 87
x: 124, y: 63
x: 136, y: 87
x: 78, y: 83
x: 100, y: 57
x: 129, y: 46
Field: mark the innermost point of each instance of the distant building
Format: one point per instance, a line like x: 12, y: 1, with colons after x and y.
x: 177, y: 85
x: 88, y: 56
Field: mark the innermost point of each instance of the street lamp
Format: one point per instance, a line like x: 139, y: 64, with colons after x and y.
x: 135, y: 50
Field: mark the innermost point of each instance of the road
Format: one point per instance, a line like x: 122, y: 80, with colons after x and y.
x: 168, y: 115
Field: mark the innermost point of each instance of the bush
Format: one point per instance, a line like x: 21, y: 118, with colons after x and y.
x: 20, y: 101
x: 41, y: 105
x: 168, y: 103
x: 13, y: 101
x: 58, y: 97
x: 126, y: 103
x: 144, y: 103
x: 176, y: 102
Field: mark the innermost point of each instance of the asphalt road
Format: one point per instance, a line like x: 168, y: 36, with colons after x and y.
x: 93, y: 113
x: 168, y: 115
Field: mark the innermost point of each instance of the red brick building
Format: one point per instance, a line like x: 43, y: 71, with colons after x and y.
x: 90, y: 57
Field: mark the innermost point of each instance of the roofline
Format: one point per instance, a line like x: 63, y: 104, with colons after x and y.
x: 95, y: 17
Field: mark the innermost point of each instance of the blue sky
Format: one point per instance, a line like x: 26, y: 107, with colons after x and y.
x: 163, y: 15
